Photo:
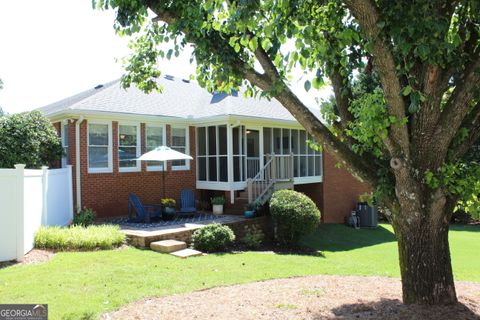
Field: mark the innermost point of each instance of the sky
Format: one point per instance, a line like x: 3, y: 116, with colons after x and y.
x: 52, y: 49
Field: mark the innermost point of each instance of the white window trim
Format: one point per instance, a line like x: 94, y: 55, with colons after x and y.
x: 108, y: 169
x: 62, y: 135
x: 164, y: 142
x: 187, y: 147
x: 138, y: 166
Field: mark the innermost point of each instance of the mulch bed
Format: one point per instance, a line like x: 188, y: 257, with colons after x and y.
x: 315, y: 297
x: 34, y: 256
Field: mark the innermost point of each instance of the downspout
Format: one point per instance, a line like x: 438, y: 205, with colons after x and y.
x: 77, y: 163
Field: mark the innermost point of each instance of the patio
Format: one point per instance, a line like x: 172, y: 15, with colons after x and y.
x: 180, y: 228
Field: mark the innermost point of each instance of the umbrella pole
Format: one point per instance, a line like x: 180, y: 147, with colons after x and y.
x: 163, y: 177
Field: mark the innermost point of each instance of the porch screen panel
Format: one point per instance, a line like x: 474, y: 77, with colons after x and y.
x: 302, y: 154
x: 285, y: 141
x: 154, y: 138
x: 295, y: 150
x: 239, y: 158
x: 277, y: 141
x: 267, y: 140
x: 212, y: 153
x: 98, y: 145
x: 222, y: 153
x: 307, y: 162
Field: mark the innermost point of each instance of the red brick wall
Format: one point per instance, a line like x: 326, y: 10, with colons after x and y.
x: 341, y: 191
x: 314, y: 191
x: 107, y: 193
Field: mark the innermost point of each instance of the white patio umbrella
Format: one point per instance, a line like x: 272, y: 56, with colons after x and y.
x: 164, y: 153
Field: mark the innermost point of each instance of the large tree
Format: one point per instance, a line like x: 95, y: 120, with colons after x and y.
x: 405, y: 76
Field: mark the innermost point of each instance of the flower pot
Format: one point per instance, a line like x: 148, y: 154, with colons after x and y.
x: 217, y: 208
x: 168, y: 213
x: 249, y: 214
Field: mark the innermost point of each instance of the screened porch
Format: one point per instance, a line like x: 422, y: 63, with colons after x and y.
x: 229, y: 155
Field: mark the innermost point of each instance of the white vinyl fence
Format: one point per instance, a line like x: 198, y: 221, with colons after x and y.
x: 29, y: 199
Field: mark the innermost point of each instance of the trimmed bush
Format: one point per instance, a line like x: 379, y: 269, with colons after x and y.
x: 79, y: 238
x: 84, y: 218
x: 213, y: 237
x: 294, y: 215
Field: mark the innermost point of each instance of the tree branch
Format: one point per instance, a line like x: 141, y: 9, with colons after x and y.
x: 365, y: 12
x: 343, y: 97
x: 456, y: 109
x: 364, y: 170
x: 472, y: 124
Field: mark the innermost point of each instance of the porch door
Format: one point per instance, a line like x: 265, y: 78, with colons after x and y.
x: 254, y: 152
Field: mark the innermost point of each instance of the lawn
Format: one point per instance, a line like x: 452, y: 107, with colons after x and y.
x: 86, y: 284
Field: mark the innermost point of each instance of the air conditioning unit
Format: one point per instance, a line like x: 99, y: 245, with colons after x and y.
x: 368, y: 215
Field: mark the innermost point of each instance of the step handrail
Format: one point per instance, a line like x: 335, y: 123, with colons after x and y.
x: 264, y: 181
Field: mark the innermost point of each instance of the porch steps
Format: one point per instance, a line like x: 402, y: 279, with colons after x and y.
x: 186, y: 253
x: 168, y: 246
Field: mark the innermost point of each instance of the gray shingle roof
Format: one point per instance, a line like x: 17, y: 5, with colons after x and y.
x: 180, y: 98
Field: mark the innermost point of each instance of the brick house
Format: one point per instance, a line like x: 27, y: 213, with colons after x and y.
x: 243, y: 148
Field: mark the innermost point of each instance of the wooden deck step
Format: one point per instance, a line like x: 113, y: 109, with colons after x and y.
x: 167, y: 246
x: 186, y: 253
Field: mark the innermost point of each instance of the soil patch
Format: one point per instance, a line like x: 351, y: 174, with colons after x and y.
x: 34, y: 256
x: 315, y: 297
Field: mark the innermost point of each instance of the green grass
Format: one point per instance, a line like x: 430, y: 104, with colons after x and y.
x: 79, y: 238
x: 86, y: 284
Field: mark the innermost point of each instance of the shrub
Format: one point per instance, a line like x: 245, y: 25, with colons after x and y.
x: 218, y: 200
x: 168, y: 202
x: 28, y: 138
x: 294, y: 215
x: 254, y: 236
x: 84, y: 218
x: 213, y: 237
x: 79, y: 238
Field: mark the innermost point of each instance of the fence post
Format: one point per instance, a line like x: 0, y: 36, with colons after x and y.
x: 20, y: 214
x: 70, y: 192
x: 44, y: 195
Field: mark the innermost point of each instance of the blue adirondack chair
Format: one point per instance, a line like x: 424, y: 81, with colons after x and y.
x: 187, y: 199
x: 143, y: 212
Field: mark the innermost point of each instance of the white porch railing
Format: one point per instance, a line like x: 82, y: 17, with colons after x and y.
x: 277, y: 168
x: 253, y: 166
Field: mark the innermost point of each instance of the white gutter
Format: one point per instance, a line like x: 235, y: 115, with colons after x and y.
x: 77, y: 163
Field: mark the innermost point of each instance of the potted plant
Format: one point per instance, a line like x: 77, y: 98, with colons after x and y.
x: 250, y: 210
x: 168, y: 205
x: 217, y: 204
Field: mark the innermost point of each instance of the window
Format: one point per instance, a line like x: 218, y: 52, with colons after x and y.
x: 128, y: 147
x: 179, y: 142
x: 64, y: 136
x: 99, y: 147
x: 154, y: 138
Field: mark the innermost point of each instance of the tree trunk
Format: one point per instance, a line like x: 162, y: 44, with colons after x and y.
x: 422, y: 232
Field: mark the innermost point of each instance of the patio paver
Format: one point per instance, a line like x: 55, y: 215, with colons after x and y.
x: 167, y: 246
x: 185, y: 253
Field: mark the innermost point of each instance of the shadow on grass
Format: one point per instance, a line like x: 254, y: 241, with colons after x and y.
x: 468, y: 228
x: 338, y: 237
x: 395, y: 309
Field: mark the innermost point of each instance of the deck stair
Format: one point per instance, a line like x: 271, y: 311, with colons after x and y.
x: 276, y: 174
x: 168, y: 246
x: 174, y: 247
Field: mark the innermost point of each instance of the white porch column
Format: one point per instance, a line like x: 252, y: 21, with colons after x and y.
x: 230, y: 161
